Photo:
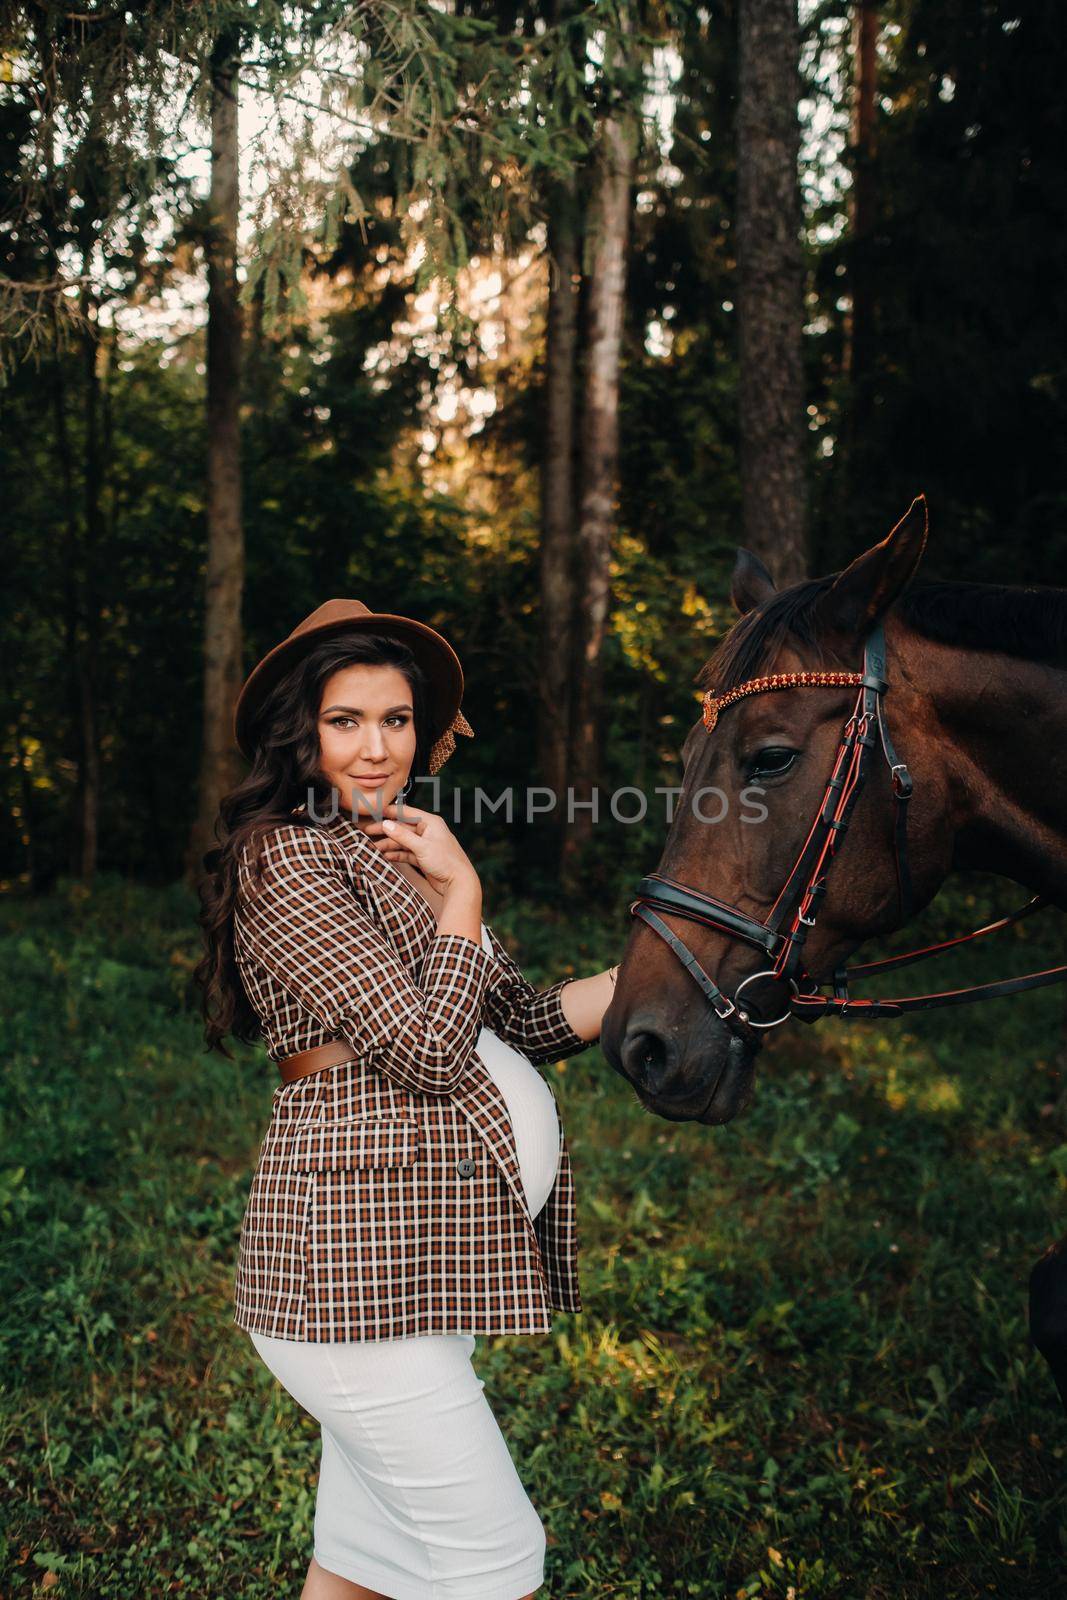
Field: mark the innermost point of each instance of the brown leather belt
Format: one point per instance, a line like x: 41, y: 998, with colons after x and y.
x: 315, y: 1060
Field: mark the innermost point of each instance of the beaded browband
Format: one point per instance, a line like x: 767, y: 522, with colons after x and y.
x: 773, y: 680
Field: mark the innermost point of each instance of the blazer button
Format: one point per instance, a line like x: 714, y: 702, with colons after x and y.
x: 465, y: 1167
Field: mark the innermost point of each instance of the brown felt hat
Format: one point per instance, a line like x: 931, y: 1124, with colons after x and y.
x: 444, y: 675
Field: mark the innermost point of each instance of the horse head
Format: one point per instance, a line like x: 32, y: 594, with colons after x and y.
x: 764, y: 757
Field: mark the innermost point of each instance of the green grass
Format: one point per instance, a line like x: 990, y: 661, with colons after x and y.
x: 803, y: 1369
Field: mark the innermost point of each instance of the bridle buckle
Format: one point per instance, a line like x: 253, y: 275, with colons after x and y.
x: 900, y: 778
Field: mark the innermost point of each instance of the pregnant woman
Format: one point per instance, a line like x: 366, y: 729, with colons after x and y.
x: 414, y: 1187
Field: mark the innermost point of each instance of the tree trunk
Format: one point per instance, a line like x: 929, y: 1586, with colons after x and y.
x: 862, y: 203
x: 771, y: 290
x: 558, y: 555
x: 27, y: 821
x: 72, y: 603
x: 88, y: 719
x: 219, y: 765
x: 606, y: 250
x: 79, y: 623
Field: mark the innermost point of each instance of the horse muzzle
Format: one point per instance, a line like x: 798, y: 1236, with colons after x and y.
x: 704, y: 1079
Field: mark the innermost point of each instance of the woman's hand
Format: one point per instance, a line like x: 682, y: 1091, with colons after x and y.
x: 585, y: 1000
x: 424, y: 840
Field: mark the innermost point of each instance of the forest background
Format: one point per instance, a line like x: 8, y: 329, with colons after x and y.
x: 518, y: 319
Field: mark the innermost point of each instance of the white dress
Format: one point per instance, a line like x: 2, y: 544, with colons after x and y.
x: 531, y: 1107
x: 418, y: 1495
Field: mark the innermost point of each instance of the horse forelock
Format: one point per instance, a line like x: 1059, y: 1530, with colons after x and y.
x: 755, y: 641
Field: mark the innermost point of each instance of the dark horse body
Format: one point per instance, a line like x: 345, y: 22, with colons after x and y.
x: 977, y: 707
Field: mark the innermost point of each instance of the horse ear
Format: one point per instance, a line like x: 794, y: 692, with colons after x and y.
x: 864, y: 591
x: 750, y: 583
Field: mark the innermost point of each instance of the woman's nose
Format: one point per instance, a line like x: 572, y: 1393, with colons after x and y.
x: 372, y: 745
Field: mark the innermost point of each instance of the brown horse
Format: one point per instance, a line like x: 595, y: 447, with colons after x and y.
x: 963, y: 690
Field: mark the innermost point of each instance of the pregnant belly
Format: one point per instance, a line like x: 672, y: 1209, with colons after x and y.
x: 532, y: 1109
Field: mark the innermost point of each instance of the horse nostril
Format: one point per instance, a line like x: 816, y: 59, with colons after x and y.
x: 645, y: 1057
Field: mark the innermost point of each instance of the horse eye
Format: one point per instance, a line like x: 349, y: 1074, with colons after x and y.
x: 773, y: 761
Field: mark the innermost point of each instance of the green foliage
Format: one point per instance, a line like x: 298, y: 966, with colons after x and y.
x: 961, y: 396
x: 471, y: 113
x: 802, y: 1368
x: 490, y: 109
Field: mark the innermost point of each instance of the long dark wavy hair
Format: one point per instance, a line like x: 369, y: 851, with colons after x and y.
x: 285, y: 773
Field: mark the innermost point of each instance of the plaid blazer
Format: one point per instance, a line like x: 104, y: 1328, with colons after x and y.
x: 387, y: 1200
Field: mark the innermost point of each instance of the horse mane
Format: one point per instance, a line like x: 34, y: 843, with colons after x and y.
x: 1027, y: 622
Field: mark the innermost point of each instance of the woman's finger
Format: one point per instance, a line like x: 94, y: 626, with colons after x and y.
x: 398, y: 855
x: 400, y: 832
x: 414, y: 816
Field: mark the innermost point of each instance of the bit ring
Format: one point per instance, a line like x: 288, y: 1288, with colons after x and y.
x: 767, y: 973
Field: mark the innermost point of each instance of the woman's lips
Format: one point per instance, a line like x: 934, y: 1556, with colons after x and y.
x: 370, y: 783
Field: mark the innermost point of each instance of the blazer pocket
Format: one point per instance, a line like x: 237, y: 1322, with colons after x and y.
x: 354, y: 1142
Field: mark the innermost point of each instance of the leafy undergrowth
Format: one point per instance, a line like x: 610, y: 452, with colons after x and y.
x: 802, y: 1369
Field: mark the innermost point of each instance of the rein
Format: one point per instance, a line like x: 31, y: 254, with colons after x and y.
x: 782, y: 934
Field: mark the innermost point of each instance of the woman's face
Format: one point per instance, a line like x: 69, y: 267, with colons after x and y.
x: 366, y: 729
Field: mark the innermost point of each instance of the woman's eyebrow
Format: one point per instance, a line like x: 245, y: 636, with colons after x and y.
x: 355, y: 712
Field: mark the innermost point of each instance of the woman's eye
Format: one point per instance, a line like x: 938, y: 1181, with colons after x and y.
x: 397, y: 720
x: 772, y: 762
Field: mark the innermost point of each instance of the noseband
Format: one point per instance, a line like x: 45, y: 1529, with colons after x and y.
x: 781, y: 936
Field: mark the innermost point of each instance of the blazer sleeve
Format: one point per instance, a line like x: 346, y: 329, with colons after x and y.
x: 532, y: 1020
x: 301, y: 920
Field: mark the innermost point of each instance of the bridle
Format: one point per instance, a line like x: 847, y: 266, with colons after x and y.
x: 782, y: 934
